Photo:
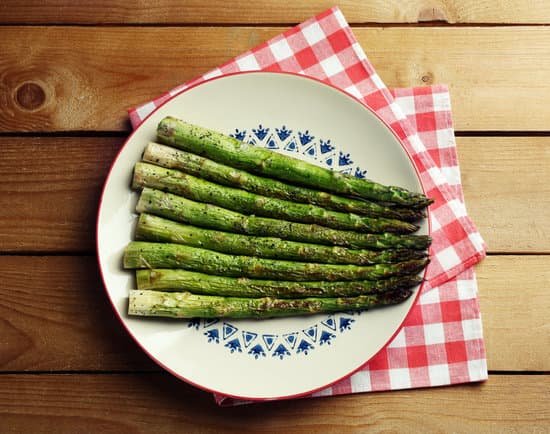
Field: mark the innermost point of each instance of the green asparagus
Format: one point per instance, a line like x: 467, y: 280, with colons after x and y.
x: 206, y: 215
x: 153, y: 228
x: 232, y: 152
x: 187, y: 305
x: 174, y: 181
x: 192, y: 164
x: 161, y: 255
x: 199, y: 283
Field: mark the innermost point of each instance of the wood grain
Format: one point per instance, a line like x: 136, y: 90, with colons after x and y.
x: 514, y: 300
x: 507, y: 190
x: 131, y: 403
x: 55, y: 316
x: 272, y: 11
x: 51, y: 187
x: 84, y: 78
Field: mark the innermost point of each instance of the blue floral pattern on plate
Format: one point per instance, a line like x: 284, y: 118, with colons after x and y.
x: 323, y: 332
x: 260, y: 345
x: 305, y: 142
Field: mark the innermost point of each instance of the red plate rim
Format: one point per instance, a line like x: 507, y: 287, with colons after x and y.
x: 181, y: 377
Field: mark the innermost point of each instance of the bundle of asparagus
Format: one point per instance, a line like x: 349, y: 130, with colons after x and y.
x: 232, y: 230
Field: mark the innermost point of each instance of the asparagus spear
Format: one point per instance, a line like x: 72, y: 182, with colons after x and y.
x: 192, y: 164
x: 174, y: 181
x: 152, y: 228
x: 230, y: 151
x: 205, y: 215
x: 187, y: 305
x: 160, y: 255
x: 199, y: 283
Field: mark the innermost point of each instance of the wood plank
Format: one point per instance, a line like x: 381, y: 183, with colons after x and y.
x: 50, y: 189
x: 507, y: 190
x: 514, y: 300
x: 55, y: 316
x: 72, y: 170
x: 139, y: 403
x: 271, y: 11
x: 84, y: 78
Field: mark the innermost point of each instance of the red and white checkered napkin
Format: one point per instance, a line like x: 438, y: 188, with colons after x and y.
x: 441, y: 341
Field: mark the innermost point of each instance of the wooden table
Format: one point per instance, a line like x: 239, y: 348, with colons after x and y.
x: 69, y: 70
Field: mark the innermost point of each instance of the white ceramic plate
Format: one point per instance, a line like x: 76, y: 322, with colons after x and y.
x: 278, y: 357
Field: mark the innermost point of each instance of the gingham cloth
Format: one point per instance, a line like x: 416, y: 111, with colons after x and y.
x: 441, y: 342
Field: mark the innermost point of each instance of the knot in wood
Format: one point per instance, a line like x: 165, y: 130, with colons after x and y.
x: 30, y: 96
x: 428, y: 78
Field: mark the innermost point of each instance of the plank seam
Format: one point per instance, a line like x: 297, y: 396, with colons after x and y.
x: 159, y: 371
x: 366, y: 24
